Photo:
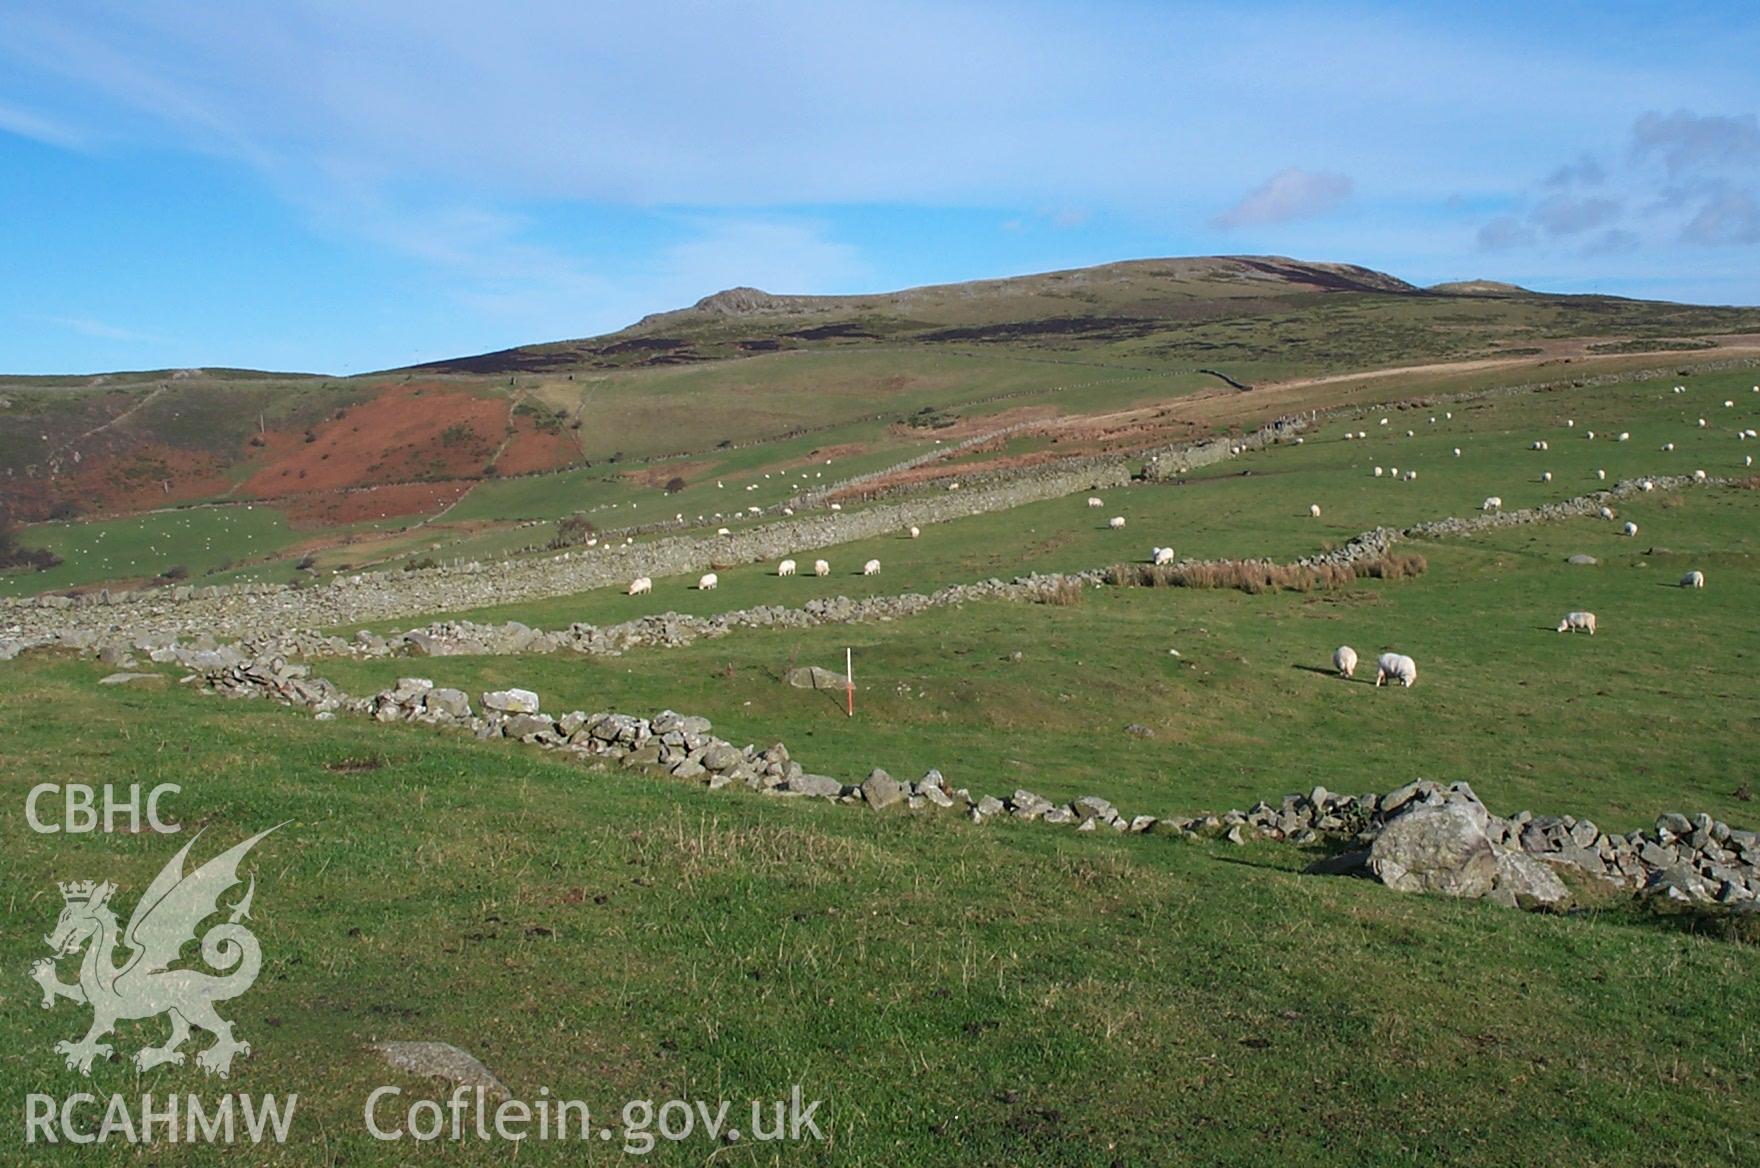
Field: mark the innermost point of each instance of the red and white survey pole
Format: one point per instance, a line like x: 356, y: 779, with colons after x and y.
x: 849, y: 682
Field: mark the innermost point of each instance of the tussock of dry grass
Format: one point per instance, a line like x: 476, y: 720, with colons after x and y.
x: 1256, y: 576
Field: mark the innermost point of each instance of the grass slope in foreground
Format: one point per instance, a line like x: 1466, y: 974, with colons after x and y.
x: 1004, y: 995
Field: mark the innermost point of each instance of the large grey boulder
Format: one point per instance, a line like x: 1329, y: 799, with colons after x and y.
x: 511, y: 701
x: 1526, y: 883
x: 813, y: 677
x: 440, y: 1060
x: 1436, y: 848
x: 452, y: 703
x: 881, y: 790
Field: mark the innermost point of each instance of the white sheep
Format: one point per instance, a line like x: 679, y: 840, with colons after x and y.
x: 1578, y: 622
x: 1411, y: 434
x: 1538, y: 445
x: 1693, y: 579
x: 837, y: 506
x: 915, y: 532
x: 1630, y: 528
x: 1393, y: 472
x: 1589, y: 436
x: 1624, y: 436
x: 1160, y: 556
x: 821, y: 568
x: 1570, y: 422
x: 1607, y: 513
x: 723, y: 531
x: 1362, y: 433
x: 1096, y: 501
x: 1667, y: 447
x: 1314, y: 510
x: 1344, y: 659
x: 1699, y: 476
x: 1398, y: 667
x: 1545, y: 476
x: 641, y: 586
x: 707, y: 582
x: 1457, y: 452
x: 1379, y: 472
x: 785, y: 568
x: 1348, y: 435
x: 1702, y: 423
x: 1411, y: 476
x: 1601, y: 474
x: 871, y: 568
x: 1116, y: 522
x: 1647, y: 484
x: 1491, y: 503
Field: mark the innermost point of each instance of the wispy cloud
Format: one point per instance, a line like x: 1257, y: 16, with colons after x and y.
x: 97, y: 329
x: 29, y: 125
x: 1289, y: 194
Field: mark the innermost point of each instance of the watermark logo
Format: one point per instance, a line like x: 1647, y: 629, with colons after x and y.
x: 144, y: 985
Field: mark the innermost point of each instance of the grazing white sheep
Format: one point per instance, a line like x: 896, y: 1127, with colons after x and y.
x: 1699, y: 476
x: 915, y: 532
x: 1538, y: 445
x: 1457, y: 452
x: 1589, y: 435
x: 1384, y: 421
x: 1411, y: 476
x: 722, y: 531
x: 1449, y: 415
x: 1411, y: 434
x: 1747, y: 460
x: 1607, y: 513
x: 1630, y: 528
x: 1570, y: 422
x: 1491, y: 503
x: 1545, y: 476
x: 1624, y: 436
x: 1701, y: 423
x: 1160, y: 556
x: 1393, y: 471
x: 1362, y: 433
x: 837, y: 506
x: 1728, y: 404
x: 1348, y: 435
x: 1379, y: 472
x: 1667, y: 447
x: 1647, y: 485
x: 1601, y: 474
x: 871, y: 568
x: 640, y: 586
x: 1314, y: 510
x: 1693, y: 579
x: 1116, y: 522
x: 1578, y: 622
x: 1344, y: 659
x: 821, y: 568
x: 785, y: 568
x: 1096, y: 501
x: 1398, y: 667
x: 707, y: 582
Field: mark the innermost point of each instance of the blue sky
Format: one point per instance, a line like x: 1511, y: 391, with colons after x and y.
x: 340, y: 187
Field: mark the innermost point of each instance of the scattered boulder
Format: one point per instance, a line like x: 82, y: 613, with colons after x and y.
x: 813, y: 677
x: 441, y: 1060
x: 1436, y: 848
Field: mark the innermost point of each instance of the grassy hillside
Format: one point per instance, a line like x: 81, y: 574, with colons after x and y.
x: 1006, y: 993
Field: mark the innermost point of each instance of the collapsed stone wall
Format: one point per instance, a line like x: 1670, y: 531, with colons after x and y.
x: 671, y: 630
x: 1421, y: 837
x: 241, y: 610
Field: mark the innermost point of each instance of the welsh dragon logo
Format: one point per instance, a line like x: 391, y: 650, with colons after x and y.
x: 144, y: 985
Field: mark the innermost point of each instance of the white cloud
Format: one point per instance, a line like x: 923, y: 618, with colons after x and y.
x: 1289, y: 194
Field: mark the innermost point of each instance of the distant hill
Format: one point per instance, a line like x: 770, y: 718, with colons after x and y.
x: 1480, y: 288
x: 746, y: 366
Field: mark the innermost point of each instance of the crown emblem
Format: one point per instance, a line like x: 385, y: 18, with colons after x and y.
x: 78, y: 891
